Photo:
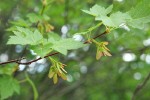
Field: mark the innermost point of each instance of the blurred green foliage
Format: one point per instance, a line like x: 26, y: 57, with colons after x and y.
x: 110, y: 78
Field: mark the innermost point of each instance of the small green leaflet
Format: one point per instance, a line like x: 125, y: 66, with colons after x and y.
x: 140, y: 14
x: 97, y: 10
x: 8, y: 85
x: 25, y: 36
x: 64, y: 45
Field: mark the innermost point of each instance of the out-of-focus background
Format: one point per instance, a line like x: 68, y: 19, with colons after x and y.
x: 110, y: 78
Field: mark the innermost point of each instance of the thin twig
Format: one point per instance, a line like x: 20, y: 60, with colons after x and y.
x: 12, y: 61
x: 140, y: 86
x: 27, y: 63
x: 42, y: 11
x: 88, y: 41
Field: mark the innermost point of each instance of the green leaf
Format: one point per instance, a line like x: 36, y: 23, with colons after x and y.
x: 20, y: 22
x: 141, y: 9
x: 115, y: 19
x: 46, y: 46
x: 8, y: 70
x: 53, y: 37
x: 42, y: 50
x: 8, y: 86
x: 46, y: 17
x: 25, y: 36
x: 97, y: 10
x: 140, y: 14
x: 109, y: 9
x: 34, y: 17
x: 11, y: 28
x: 101, y: 14
x: 66, y: 44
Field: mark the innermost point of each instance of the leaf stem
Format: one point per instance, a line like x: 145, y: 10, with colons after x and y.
x: 33, y: 86
x: 22, y: 81
x: 94, y: 27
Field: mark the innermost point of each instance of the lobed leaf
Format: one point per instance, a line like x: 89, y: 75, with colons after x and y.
x: 64, y: 45
x: 115, y: 19
x: 42, y: 50
x: 140, y: 14
x: 25, y: 36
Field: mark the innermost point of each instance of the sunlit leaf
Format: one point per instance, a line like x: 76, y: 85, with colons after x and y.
x: 25, y: 36
x: 115, y: 19
x: 64, y: 45
x: 98, y: 10
x: 42, y: 50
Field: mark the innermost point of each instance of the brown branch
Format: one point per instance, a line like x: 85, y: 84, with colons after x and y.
x: 12, y: 61
x: 89, y: 41
x: 27, y: 63
x: 140, y: 86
